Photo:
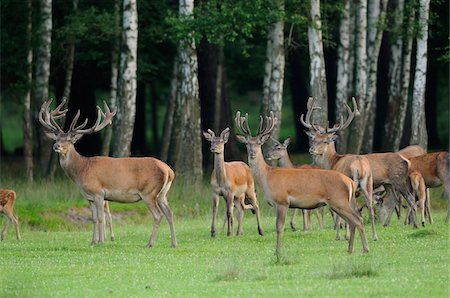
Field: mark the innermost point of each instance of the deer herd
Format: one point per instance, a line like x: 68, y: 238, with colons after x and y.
x: 333, y: 179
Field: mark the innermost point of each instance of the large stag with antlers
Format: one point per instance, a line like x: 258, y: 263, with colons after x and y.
x: 234, y: 182
x: 124, y: 180
x: 387, y: 169
x: 298, y: 188
x: 324, y: 153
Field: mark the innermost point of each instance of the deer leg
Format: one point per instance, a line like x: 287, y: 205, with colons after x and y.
x: 100, y: 205
x: 408, y: 197
x: 16, y: 224
x: 390, y: 205
x: 354, y: 220
x: 240, y: 213
x: 281, y: 211
x: 322, y: 215
x: 93, y: 208
x: 292, y: 223
x: 305, y: 219
x: 152, y: 206
x: 428, y: 206
x: 164, y: 207
x: 214, y: 214
x: 109, y: 217
x: 337, y: 225
x: 230, y: 209
x: 5, y: 229
x: 254, y: 202
x: 367, y: 188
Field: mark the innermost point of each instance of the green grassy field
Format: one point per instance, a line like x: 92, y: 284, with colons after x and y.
x: 55, y: 258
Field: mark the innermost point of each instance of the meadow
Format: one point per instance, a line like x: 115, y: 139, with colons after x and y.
x: 55, y: 258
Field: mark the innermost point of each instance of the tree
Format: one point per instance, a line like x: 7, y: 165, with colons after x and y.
x: 318, y: 80
x: 127, y: 80
x: 187, y: 126
x: 418, y: 125
x: 27, y: 122
x: 272, y: 99
x: 42, y: 74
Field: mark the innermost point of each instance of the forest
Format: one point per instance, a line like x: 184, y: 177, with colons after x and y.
x: 175, y: 68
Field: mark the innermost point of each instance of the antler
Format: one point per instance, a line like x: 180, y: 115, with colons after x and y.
x: 351, y: 115
x: 242, y: 123
x: 307, y: 122
x: 270, y: 124
x: 48, y: 118
x: 107, y: 116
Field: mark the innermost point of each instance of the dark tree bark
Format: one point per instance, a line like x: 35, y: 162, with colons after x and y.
x: 139, y: 143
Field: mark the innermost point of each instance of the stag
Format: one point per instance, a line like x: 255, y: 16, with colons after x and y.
x: 7, y: 200
x: 324, y: 153
x: 234, y: 182
x: 298, y: 188
x: 100, y: 178
x: 278, y: 152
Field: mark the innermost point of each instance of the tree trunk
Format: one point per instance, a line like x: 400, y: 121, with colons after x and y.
x: 27, y: 126
x: 127, y: 80
x: 418, y: 125
x: 114, y: 74
x: 42, y: 74
x: 187, y: 110
x: 274, y: 71
x: 169, y: 118
x: 343, y: 72
x: 318, y: 80
x: 376, y: 20
x: 357, y: 128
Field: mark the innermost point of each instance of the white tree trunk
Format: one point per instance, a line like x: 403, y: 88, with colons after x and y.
x: 27, y: 122
x: 418, y: 125
x: 357, y: 129
x: 318, y: 80
x: 274, y: 71
x: 42, y: 74
x: 127, y: 79
x: 189, y: 155
x: 343, y: 71
x: 376, y: 19
x: 114, y: 75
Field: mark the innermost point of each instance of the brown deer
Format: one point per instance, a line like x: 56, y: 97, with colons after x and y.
x: 100, y: 178
x: 234, y: 182
x: 388, y: 169
x: 324, y: 154
x: 298, y: 188
x: 278, y: 152
x: 7, y: 200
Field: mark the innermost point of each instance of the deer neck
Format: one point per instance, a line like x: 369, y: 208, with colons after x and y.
x: 328, y: 159
x: 259, y: 167
x: 219, y: 168
x: 285, y: 161
x: 72, y: 163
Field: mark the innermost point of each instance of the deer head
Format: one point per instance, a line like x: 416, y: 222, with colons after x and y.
x: 254, y: 144
x: 278, y: 150
x: 217, y: 143
x: 64, y: 139
x: 321, y: 137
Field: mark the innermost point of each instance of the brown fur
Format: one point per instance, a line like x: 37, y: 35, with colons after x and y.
x: 7, y: 201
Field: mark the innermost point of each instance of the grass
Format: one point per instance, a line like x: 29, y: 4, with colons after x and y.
x: 54, y: 257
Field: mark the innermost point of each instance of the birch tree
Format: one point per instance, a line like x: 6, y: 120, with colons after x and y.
x: 27, y: 122
x: 274, y: 70
x: 418, y: 124
x: 187, y: 126
x: 42, y: 74
x: 357, y: 131
x: 114, y: 74
x: 318, y: 80
x: 127, y: 80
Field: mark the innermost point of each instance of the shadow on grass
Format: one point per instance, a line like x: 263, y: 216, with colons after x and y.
x: 284, y: 259
x: 231, y: 273
x: 422, y: 233
x: 353, y: 270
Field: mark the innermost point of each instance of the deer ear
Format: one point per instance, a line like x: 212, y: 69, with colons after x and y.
x: 225, y: 134
x: 264, y: 138
x: 287, y: 142
x: 241, y: 139
x: 206, y: 135
x: 332, y: 138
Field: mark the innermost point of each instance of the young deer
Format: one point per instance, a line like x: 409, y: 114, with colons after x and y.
x: 278, y: 151
x: 298, y: 188
x: 234, y: 182
x: 7, y: 200
x: 100, y: 178
x: 324, y: 153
